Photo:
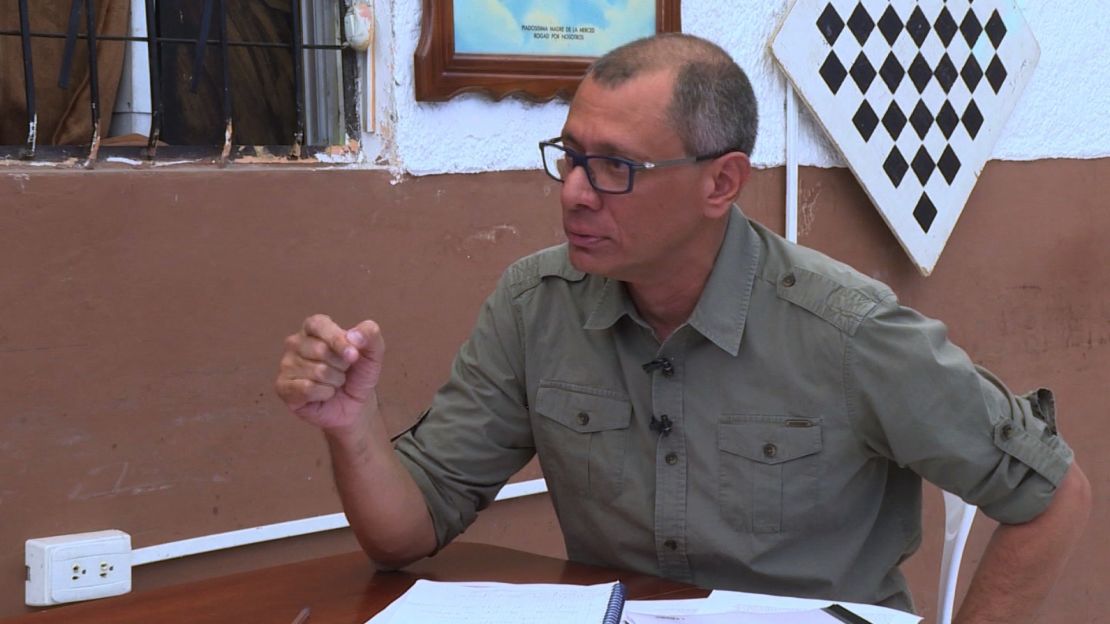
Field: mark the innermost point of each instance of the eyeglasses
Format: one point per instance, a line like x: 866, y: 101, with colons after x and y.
x: 607, y: 174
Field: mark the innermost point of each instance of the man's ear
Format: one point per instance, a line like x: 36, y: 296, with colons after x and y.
x: 727, y: 176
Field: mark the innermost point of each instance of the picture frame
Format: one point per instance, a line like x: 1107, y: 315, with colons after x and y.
x: 442, y: 72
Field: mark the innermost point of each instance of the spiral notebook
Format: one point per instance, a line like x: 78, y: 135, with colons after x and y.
x: 505, y: 603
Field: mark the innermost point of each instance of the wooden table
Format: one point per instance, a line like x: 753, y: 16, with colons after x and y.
x: 339, y: 589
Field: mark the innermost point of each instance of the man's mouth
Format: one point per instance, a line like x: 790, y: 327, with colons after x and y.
x: 583, y: 240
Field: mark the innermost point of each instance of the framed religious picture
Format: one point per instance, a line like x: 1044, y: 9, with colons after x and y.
x: 536, y: 49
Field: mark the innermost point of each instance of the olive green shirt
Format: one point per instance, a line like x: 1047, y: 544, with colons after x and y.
x: 804, y: 403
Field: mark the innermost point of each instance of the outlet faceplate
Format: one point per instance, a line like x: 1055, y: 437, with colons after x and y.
x: 81, y: 566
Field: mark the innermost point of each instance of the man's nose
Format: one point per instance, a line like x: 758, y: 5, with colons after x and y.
x: 577, y: 190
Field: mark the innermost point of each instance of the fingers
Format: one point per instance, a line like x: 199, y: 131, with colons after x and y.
x: 295, y: 367
x: 367, y: 337
x: 363, y: 375
x: 323, y: 358
x: 313, y: 366
x: 321, y: 327
x: 296, y: 393
x: 316, y: 350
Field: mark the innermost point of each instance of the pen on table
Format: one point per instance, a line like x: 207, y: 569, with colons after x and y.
x: 844, y: 615
x: 302, y: 617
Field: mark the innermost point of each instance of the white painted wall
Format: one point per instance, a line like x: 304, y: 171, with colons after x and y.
x: 1064, y: 113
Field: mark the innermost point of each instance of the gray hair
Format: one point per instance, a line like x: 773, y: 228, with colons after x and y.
x: 712, y: 109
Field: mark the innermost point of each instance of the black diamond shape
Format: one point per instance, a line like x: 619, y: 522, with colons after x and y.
x: 949, y: 164
x: 863, y: 74
x: 861, y: 24
x: 918, y: 26
x: 921, y: 119
x: 946, y: 73
x: 947, y: 119
x: 996, y: 73
x: 923, y: 165
x: 945, y: 26
x: 895, y: 166
x: 971, y: 28
x: 833, y: 72
x: 972, y: 119
x: 890, y: 25
x: 920, y: 73
x: 996, y: 29
x: 830, y: 24
x: 925, y: 212
x: 865, y: 120
x: 891, y: 72
x: 972, y: 73
x: 894, y: 120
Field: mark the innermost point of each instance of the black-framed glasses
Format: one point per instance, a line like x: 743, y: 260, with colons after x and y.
x: 607, y: 174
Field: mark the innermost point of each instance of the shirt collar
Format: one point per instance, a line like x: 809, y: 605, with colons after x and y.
x: 612, y: 303
x: 723, y: 307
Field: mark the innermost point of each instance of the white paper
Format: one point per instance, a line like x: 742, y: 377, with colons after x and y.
x: 433, y: 602
x: 745, y: 602
x: 685, y: 606
x: 735, y: 617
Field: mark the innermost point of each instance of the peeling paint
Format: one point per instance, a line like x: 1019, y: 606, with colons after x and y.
x: 22, y: 179
x: 493, y: 234
x: 94, y: 146
x: 124, y: 161
x: 807, y: 208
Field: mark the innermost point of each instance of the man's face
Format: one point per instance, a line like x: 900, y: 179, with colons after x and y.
x: 636, y: 236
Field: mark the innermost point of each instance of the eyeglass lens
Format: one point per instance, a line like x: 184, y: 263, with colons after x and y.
x: 605, y: 173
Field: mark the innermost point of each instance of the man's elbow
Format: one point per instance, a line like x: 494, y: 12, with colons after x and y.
x: 1070, y: 506
x: 389, y: 555
x: 1074, y: 494
x: 388, y: 560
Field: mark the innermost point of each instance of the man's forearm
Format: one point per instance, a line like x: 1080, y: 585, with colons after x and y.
x: 385, y: 507
x: 1023, y: 561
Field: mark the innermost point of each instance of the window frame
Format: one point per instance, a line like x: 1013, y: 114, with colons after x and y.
x: 358, y: 138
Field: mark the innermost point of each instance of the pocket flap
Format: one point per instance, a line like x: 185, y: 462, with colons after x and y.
x: 769, y: 440
x: 582, y: 412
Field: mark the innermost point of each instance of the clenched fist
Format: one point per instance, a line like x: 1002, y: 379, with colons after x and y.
x: 328, y: 375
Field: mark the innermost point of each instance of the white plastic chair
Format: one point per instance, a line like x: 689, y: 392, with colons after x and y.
x: 958, y: 516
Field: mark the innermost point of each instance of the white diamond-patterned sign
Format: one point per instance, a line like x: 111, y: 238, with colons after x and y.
x: 914, y: 94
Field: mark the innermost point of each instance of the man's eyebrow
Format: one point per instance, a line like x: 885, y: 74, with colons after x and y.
x: 604, y: 148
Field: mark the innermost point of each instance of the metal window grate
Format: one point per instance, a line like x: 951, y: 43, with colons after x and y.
x: 297, y: 47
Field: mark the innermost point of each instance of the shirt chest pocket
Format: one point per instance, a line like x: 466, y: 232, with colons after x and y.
x: 769, y: 471
x: 581, y: 437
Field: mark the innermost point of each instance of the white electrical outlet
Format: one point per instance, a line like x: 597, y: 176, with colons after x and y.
x: 82, y: 566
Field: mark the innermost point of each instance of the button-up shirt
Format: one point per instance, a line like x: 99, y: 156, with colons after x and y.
x: 775, y: 442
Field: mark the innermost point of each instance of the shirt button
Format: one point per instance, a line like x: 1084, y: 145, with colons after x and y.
x: 670, y: 544
x: 788, y: 280
x: 583, y: 418
x: 1007, y: 432
x: 671, y: 459
x: 770, y: 450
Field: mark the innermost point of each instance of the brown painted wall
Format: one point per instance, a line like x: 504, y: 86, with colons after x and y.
x: 141, y: 317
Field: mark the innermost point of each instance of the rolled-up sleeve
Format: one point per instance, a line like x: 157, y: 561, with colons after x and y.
x: 918, y: 400
x: 476, y: 434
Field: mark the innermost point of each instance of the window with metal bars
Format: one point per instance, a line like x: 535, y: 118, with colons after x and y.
x: 222, y: 78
